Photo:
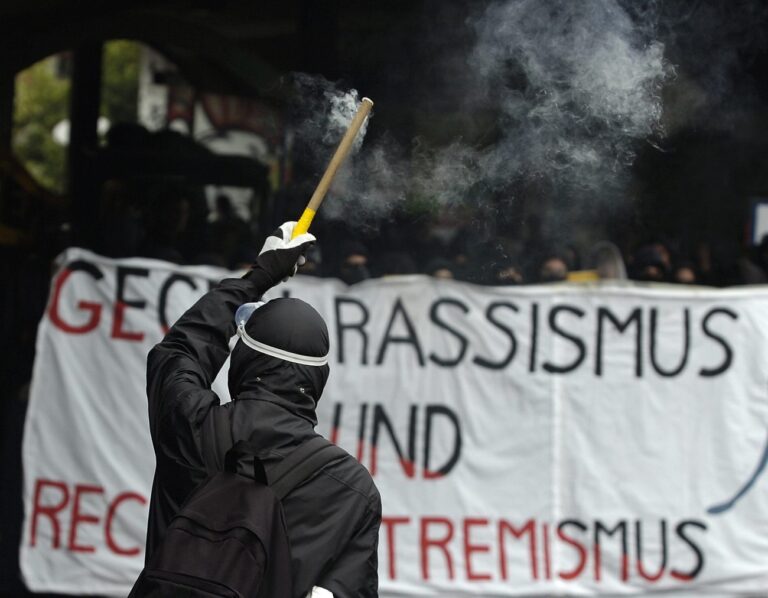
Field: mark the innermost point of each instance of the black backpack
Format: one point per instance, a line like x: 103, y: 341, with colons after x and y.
x: 229, y: 538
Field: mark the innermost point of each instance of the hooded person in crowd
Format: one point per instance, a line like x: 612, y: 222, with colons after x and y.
x: 354, y: 262
x: 278, y: 369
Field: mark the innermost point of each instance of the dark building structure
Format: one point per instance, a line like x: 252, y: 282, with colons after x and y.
x: 693, y: 187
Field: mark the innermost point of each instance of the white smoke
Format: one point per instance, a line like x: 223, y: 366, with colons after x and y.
x: 325, y: 113
x: 574, y: 87
x: 577, y: 84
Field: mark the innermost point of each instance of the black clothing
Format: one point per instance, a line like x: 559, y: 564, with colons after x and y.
x: 333, y: 519
x: 293, y: 326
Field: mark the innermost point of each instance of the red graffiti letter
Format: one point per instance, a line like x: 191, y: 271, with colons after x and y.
x: 469, y: 548
x: 113, y: 546
x: 77, y: 517
x: 93, y: 308
x: 441, y: 543
x: 49, y: 511
x: 389, y: 524
x: 582, y: 551
x: 117, y: 325
x: 530, y: 529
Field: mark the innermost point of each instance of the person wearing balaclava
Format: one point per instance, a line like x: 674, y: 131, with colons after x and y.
x: 278, y: 369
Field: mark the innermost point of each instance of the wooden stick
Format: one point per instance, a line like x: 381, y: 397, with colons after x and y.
x: 341, y: 153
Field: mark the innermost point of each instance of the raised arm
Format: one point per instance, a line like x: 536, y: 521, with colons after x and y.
x: 182, y: 367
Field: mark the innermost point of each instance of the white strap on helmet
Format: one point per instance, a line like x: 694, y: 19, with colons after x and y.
x: 279, y: 353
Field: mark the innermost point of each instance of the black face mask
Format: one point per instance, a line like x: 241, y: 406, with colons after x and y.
x: 353, y: 274
x: 289, y: 325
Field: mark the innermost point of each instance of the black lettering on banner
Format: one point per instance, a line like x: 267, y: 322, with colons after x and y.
x: 336, y: 425
x: 716, y: 371
x: 635, y: 317
x: 463, y: 342
x: 582, y: 562
x: 639, y: 545
x: 432, y: 411
x: 361, y: 431
x: 489, y: 314
x: 342, y: 326
x: 123, y: 272
x: 680, y: 531
x: 621, y: 528
x: 83, y: 266
x: 380, y: 419
x: 409, y: 339
x: 412, y: 437
x: 122, y: 303
x: 582, y: 350
x: 163, y: 299
x: 686, y: 343
x: 534, y: 336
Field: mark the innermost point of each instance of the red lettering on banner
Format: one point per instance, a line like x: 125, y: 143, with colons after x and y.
x: 438, y: 533
x: 547, y: 557
x: 389, y: 524
x: 374, y: 461
x: 62, y: 506
x: 409, y: 467
x: 652, y: 578
x: 53, y: 310
x: 621, y: 529
x: 470, y: 548
x: 579, y: 548
x: 427, y: 542
x: 50, y: 511
x: 78, y: 517
x: 117, y: 325
x: 369, y: 437
x: 530, y: 529
x: 680, y: 532
x: 113, y: 546
x: 624, y: 567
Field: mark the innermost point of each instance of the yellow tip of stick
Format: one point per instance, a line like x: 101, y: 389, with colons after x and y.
x: 302, y: 226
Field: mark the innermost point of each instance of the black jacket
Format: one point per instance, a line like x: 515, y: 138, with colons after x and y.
x: 333, y: 519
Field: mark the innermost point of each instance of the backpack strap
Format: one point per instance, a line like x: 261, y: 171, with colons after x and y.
x: 244, y: 448
x: 304, y: 461
x: 216, y: 439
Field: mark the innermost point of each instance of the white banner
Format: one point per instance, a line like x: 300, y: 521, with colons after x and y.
x: 526, y: 440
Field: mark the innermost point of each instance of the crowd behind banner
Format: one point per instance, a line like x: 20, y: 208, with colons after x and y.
x: 189, y: 223
x: 173, y: 222
x: 565, y: 439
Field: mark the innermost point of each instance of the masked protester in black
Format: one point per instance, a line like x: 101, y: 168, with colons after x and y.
x: 277, y: 373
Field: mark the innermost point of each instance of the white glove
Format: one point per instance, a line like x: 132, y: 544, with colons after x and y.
x: 281, y: 256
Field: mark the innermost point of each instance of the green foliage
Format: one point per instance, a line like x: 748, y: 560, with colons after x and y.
x: 120, y: 81
x: 41, y: 102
